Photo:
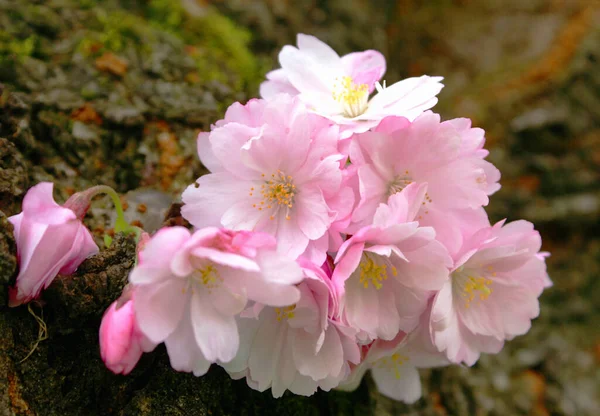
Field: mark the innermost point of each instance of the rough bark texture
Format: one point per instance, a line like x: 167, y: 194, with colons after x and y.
x: 115, y: 92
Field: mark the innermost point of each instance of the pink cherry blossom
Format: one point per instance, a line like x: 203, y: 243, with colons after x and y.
x: 492, y: 294
x: 448, y: 156
x: 394, y: 254
x: 394, y: 363
x: 300, y: 347
x: 282, y: 177
x: 50, y: 240
x: 121, y: 341
x: 339, y: 87
x: 189, y: 288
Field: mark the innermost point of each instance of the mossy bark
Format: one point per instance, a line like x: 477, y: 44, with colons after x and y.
x: 115, y: 91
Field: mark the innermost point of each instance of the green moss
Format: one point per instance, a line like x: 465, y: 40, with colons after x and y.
x: 18, y: 47
x: 222, y: 47
x: 113, y: 31
x: 218, y: 47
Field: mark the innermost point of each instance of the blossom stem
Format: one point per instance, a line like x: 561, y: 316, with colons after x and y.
x: 121, y: 224
x: 80, y: 202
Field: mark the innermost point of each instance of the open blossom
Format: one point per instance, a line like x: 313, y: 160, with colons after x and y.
x: 388, y: 269
x: 493, y: 291
x: 190, y: 287
x: 394, y: 363
x: 121, y: 341
x: 50, y: 240
x: 339, y: 87
x: 448, y: 156
x: 300, y: 347
x: 278, y: 177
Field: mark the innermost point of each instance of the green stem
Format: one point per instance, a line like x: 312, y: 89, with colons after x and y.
x: 121, y: 224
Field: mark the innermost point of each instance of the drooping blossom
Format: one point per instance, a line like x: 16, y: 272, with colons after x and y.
x: 493, y: 291
x: 51, y: 239
x: 394, y: 363
x: 277, y: 178
x: 387, y: 270
x: 121, y: 340
x: 339, y: 87
x: 448, y: 156
x: 190, y: 287
x: 300, y: 347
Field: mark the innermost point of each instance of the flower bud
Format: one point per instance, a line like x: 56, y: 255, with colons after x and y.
x: 50, y: 240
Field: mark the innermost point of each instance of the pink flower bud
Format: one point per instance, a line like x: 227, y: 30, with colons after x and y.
x: 121, y: 341
x: 50, y: 240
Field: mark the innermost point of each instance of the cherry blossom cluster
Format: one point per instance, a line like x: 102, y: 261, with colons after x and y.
x: 341, y: 229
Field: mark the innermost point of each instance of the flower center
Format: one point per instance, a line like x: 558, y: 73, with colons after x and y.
x: 373, y: 273
x: 394, y: 362
x: 276, y: 192
x: 353, y: 97
x: 207, y: 276
x: 285, y: 313
x: 399, y: 182
x: 471, y: 286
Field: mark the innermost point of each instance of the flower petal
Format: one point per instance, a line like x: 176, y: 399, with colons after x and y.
x: 159, y: 308
x: 216, y: 334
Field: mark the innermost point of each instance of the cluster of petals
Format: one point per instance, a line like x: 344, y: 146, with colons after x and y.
x: 189, y: 288
x: 275, y: 170
x: 389, y: 199
x: 338, y: 88
x: 341, y: 230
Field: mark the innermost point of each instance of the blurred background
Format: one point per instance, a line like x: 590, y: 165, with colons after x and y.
x: 116, y: 91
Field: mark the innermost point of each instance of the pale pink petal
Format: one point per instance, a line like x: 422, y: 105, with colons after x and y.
x: 206, y: 202
x: 399, y: 383
x: 232, y: 260
x: 328, y: 361
x: 247, y: 328
x: 228, y: 302
x: 317, y: 49
x: 215, y: 334
x: 427, y: 268
x: 312, y: 214
x: 277, y: 83
x: 365, y: 67
x: 159, y: 308
x: 184, y: 353
x: 226, y: 142
x: 304, y: 74
x: 408, y: 98
x: 157, y: 256
x: 264, y: 357
x: 263, y: 291
x: 39, y: 202
x: 84, y: 246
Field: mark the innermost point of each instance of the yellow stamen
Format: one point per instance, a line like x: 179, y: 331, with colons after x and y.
x: 276, y: 192
x: 285, y: 313
x: 393, y: 362
x: 373, y: 273
x: 476, y: 284
x: 353, y: 97
x: 208, y: 276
